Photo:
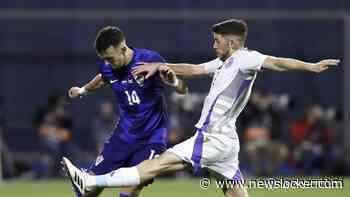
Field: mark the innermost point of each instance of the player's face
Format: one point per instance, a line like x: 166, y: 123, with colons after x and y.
x: 221, y: 46
x: 115, y: 55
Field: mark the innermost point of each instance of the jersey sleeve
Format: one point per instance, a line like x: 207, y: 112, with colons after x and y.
x: 104, y: 71
x: 156, y: 57
x: 252, y: 61
x: 211, y: 66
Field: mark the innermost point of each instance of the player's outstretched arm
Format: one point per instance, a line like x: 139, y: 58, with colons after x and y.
x: 96, y: 83
x: 169, y: 77
x: 184, y: 69
x: 286, y: 64
x: 150, y: 69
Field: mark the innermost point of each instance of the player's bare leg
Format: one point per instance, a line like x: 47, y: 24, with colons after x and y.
x: 166, y: 162
x: 134, y: 191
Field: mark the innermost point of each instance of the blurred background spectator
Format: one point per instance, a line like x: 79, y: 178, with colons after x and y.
x: 54, y: 125
x: 103, y: 123
x: 315, y: 142
x: 262, y: 132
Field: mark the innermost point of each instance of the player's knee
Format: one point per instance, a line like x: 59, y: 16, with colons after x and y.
x: 155, y: 166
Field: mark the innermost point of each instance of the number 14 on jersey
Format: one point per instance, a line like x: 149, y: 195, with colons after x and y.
x: 133, y: 98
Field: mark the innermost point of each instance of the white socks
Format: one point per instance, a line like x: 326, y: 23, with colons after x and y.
x: 118, y: 178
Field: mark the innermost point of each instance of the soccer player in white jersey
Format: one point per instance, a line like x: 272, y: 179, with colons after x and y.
x: 215, y: 145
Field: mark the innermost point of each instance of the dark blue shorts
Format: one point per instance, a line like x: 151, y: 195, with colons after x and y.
x: 117, y: 153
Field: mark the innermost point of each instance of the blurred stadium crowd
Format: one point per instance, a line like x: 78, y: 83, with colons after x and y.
x: 276, y: 137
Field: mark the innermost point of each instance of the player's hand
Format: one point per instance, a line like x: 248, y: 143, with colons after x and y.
x: 168, y: 76
x: 147, y: 69
x: 324, y: 65
x: 74, y: 92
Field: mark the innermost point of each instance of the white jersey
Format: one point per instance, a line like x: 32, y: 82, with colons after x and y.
x: 229, y: 91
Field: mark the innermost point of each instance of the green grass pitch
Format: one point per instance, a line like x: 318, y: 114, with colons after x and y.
x: 161, y: 188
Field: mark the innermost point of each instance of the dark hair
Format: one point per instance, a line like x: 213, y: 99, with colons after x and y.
x: 108, y: 36
x: 231, y: 27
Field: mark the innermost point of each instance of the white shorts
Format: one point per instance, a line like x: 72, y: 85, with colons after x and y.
x: 214, y: 151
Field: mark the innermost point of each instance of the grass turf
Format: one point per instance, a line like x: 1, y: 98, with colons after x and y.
x: 161, y: 188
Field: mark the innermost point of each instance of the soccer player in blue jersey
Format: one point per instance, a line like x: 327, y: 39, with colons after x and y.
x: 141, y: 131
